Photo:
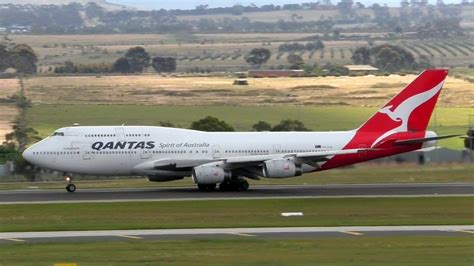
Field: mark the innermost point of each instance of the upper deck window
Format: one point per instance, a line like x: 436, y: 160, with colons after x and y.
x: 58, y: 134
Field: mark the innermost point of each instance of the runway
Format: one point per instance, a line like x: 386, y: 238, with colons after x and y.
x: 255, y: 192
x: 270, y: 232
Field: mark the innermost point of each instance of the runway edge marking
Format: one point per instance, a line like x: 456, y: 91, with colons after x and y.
x: 131, y: 237
x: 13, y: 239
x: 236, y: 198
x: 462, y: 231
x: 352, y: 233
x: 240, y: 234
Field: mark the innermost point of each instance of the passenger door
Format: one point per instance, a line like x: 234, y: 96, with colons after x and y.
x: 146, y: 154
x: 86, y: 152
x: 120, y: 132
x: 276, y: 149
x: 216, y: 151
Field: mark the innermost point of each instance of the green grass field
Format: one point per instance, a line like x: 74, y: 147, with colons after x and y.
x: 46, y: 118
x: 360, y: 250
x: 241, y: 213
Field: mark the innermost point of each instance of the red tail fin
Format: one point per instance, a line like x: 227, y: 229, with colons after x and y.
x: 411, y: 109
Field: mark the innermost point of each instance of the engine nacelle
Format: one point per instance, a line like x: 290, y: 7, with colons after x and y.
x: 210, y: 174
x: 281, y: 168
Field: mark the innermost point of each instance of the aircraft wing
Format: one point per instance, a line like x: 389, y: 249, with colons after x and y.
x: 303, y: 157
x: 168, y: 165
x: 240, y: 161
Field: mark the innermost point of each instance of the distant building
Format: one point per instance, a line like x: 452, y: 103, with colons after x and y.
x: 361, y: 68
x: 19, y: 29
x: 275, y: 73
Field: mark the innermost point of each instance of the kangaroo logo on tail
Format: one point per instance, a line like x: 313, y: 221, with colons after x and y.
x: 402, y: 112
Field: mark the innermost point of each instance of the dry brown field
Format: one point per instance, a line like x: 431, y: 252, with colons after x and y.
x: 182, y: 90
x: 8, y: 87
x: 8, y: 112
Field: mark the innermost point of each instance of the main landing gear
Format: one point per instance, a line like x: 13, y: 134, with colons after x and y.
x: 231, y: 185
x: 70, y: 187
x: 234, y: 185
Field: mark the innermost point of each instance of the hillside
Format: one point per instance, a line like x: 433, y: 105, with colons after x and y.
x: 103, y: 3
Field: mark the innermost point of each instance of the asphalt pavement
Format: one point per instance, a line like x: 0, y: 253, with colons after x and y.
x: 255, y: 192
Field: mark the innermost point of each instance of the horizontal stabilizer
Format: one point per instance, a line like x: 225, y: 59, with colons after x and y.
x: 421, y: 140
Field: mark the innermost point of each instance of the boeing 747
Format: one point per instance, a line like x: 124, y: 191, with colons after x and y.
x: 228, y: 158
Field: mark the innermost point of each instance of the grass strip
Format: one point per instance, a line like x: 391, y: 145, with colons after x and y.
x: 360, y: 250
x: 241, y: 213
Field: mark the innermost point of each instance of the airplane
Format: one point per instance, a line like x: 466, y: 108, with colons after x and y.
x: 228, y: 158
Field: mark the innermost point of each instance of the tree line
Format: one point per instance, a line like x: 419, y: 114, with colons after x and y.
x: 296, y: 46
x: 389, y: 58
x: 135, y: 60
x: 213, y: 124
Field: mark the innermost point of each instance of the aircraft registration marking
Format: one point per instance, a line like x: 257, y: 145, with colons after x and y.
x: 241, y: 234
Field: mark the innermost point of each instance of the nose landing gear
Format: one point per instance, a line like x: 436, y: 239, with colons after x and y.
x: 70, y: 187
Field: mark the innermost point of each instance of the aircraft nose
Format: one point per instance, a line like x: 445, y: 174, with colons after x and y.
x: 28, y: 155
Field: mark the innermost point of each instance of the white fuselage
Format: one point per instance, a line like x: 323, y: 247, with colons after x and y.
x: 118, y: 150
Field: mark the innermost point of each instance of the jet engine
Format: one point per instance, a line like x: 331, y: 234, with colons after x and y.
x: 281, y: 168
x: 210, y: 174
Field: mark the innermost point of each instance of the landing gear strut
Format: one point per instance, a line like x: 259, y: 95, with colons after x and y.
x: 231, y: 185
x: 207, y: 187
x: 70, y: 187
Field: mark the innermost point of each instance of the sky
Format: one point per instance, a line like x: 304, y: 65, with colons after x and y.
x: 190, y: 4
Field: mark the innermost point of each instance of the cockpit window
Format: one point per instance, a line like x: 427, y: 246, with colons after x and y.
x: 58, y: 134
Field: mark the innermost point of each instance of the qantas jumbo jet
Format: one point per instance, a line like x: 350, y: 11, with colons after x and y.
x: 227, y: 158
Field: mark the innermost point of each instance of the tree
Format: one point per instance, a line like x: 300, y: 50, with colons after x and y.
x: 262, y: 126
x: 164, y: 64
x: 345, y: 8
x: 138, y: 59
x: 166, y: 124
x: 290, y: 125
x: 4, y: 58
x: 93, y: 10
x: 22, y: 135
x: 122, y: 65
x: 68, y: 67
x: 258, y: 56
x: 23, y: 59
x: 361, y: 56
x: 392, y: 58
x: 315, y: 45
x: 210, y: 123
x: 296, y: 61
x: 424, y: 62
